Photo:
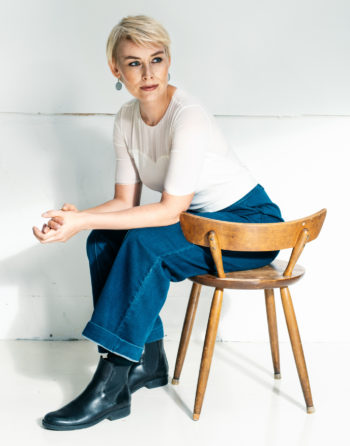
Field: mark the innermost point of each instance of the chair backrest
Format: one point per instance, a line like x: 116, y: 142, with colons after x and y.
x: 253, y: 236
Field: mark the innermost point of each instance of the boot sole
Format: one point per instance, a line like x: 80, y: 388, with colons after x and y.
x: 112, y: 415
x: 157, y: 382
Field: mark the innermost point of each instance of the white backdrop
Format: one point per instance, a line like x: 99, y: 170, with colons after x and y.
x: 275, y: 74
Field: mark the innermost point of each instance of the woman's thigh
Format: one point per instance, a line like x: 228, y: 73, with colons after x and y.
x: 181, y: 259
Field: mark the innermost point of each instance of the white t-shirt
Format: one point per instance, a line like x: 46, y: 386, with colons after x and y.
x: 184, y: 153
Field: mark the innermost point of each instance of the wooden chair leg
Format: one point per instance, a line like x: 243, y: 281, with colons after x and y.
x: 186, y: 330
x: 272, y: 325
x: 208, y: 350
x: 297, y: 347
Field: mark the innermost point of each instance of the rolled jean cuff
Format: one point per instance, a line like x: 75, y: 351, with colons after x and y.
x: 111, y: 342
x: 155, y: 335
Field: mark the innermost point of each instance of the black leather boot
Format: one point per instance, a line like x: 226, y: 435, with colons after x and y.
x: 106, y: 396
x: 152, y: 369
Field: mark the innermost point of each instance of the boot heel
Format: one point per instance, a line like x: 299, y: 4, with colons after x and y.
x: 119, y: 413
x: 158, y: 382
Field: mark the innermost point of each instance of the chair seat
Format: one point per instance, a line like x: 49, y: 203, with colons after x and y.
x: 270, y: 276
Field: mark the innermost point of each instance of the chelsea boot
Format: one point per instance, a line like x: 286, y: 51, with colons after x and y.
x: 152, y: 369
x: 106, y: 396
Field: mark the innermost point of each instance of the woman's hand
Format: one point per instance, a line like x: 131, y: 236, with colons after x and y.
x: 62, y: 226
x: 56, y: 223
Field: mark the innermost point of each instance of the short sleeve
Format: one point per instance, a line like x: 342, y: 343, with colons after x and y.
x: 125, y: 169
x: 191, y: 140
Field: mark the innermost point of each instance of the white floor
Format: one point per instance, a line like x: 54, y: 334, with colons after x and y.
x: 243, y: 405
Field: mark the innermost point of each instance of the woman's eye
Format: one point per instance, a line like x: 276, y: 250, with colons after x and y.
x: 137, y: 63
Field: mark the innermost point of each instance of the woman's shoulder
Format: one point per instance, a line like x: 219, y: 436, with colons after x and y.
x: 187, y: 106
x: 125, y: 112
x: 127, y: 106
x: 185, y: 99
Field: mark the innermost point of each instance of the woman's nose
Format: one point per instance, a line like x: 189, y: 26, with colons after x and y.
x: 147, y: 72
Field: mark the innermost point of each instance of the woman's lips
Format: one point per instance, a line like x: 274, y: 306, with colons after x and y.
x: 151, y: 87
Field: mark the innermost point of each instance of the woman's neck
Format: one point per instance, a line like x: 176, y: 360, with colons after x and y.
x: 153, y: 111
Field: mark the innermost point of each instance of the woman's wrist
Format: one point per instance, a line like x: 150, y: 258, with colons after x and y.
x: 86, y: 223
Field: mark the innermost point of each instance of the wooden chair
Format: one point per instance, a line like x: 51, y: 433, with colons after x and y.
x: 219, y: 235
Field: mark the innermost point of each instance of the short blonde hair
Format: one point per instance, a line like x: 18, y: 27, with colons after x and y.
x: 141, y: 30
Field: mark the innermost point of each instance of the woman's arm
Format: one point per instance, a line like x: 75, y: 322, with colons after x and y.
x: 125, y: 196
x: 164, y: 213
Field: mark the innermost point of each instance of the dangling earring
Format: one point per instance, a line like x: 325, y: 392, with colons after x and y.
x: 168, y: 76
x: 118, y: 85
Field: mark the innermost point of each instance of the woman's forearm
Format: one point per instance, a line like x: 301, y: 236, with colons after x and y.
x: 109, y: 206
x: 165, y: 213
x: 147, y: 215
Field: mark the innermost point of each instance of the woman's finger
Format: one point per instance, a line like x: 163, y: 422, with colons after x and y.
x: 52, y: 213
x: 50, y: 236
x: 69, y: 207
x: 53, y: 225
x: 45, y: 228
x: 59, y: 220
x: 41, y: 236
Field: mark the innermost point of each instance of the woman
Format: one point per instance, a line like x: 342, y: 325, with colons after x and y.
x: 167, y: 140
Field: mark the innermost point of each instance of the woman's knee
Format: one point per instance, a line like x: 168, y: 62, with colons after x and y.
x: 99, y: 237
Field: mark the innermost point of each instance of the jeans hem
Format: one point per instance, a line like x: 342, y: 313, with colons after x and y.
x: 155, y: 335
x: 112, y: 342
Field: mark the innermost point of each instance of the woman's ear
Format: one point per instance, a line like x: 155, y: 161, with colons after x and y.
x: 113, y: 69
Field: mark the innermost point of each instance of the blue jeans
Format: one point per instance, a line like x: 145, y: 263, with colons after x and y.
x: 131, y: 271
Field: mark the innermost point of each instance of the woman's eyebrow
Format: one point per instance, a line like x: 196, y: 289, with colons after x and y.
x: 134, y: 57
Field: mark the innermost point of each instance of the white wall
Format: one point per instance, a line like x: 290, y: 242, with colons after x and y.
x: 275, y: 74
x: 247, y: 57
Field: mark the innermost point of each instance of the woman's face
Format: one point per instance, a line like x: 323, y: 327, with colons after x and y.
x: 139, y: 67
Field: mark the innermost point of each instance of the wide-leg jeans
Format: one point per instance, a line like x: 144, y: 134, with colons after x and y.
x: 131, y: 271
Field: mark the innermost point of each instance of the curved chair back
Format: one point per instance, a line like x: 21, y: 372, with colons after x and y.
x: 232, y: 236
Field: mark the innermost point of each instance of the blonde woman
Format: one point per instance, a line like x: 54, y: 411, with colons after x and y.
x: 167, y: 140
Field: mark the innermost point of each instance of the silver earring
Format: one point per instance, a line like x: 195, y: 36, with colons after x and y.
x: 118, y: 85
x: 168, y: 76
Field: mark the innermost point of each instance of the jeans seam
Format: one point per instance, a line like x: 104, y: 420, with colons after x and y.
x: 155, y: 264
x: 178, y: 250
x: 122, y: 323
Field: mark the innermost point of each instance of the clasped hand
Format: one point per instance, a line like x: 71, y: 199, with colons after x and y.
x: 63, y: 224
